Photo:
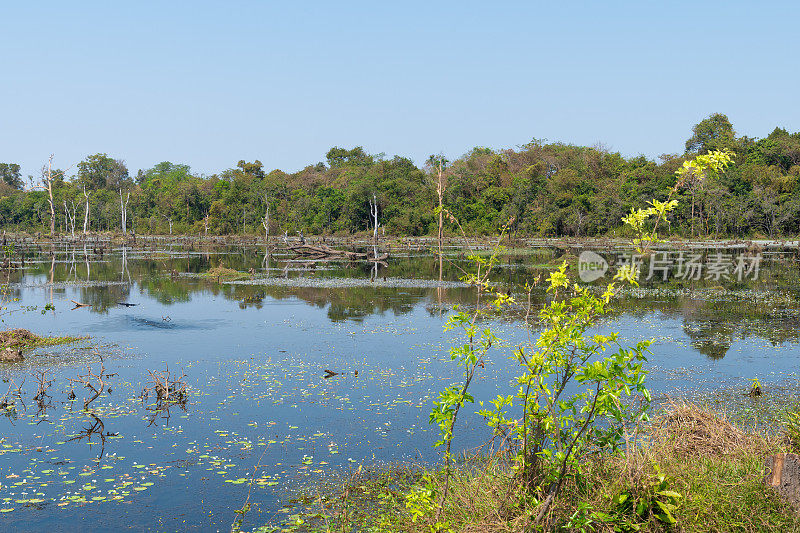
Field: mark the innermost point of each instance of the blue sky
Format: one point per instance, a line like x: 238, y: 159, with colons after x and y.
x: 210, y: 83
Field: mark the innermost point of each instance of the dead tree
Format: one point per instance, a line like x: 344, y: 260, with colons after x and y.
x: 42, y: 398
x: 169, y: 391
x: 44, y: 385
x: 265, y: 223
x: 373, y: 211
x: 85, y: 211
x: 169, y: 219
x: 124, y: 211
x: 14, y: 391
x: 47, y: 184
x: 440, y: 163
x: 440, y: 193
x: 95, y: 383
x: 69, y: 216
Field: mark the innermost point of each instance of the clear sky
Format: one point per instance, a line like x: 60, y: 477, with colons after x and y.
x: 210, y: 83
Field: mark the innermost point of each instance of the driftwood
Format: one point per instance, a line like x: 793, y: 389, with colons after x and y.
x: 321, y: 251
x: 95, y: 383
x: 167, y: 387
x: 169, y: 391
x: 79, y: 305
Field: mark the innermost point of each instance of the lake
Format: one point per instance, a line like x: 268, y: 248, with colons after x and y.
x: 255, y: 353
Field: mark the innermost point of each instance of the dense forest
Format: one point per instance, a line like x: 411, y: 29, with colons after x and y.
x: 547, y: 189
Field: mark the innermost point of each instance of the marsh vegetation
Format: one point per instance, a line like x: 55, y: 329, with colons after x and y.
x: 258, y: 422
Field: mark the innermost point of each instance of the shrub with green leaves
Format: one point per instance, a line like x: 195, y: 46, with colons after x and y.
x: 656, y: 500
x: 576, y: 392
x: 570, y: 397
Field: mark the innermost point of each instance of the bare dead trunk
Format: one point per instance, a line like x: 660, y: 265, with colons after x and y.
x: 265, y: 223
x: 49, y: 184
x: 373, y: 208
x: 85, y: 212
x: 124, y: 211
x: 69, y: 217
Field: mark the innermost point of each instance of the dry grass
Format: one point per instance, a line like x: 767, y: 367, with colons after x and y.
x: 715, y: 465
x: 690, y: 430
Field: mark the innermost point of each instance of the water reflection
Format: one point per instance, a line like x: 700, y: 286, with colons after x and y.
x: 713, y: 317
x: 93, y: 432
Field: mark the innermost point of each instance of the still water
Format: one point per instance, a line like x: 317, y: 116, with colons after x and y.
x: 254, y: 353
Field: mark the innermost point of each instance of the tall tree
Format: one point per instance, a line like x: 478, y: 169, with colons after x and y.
x: 99, y: 171
x: 712, y: 133
x: 338, y: 157
x: 9, y: 172
x: 255, y: 169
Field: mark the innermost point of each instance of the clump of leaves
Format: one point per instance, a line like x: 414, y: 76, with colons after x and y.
x: 692, y: 172
x: 654, y: 500
x: 421, y: 502
x: 755, y: 388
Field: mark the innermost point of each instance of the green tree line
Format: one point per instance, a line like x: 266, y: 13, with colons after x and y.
x: 547, y: 189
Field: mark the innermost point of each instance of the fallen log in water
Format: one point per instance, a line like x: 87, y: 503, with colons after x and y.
x: 324, y: 251
x: 79, y: 305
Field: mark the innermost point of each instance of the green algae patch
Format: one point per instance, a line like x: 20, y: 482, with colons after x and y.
x: 221, y: 273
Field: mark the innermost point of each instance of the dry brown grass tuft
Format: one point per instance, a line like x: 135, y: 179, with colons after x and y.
x: 691, y: 431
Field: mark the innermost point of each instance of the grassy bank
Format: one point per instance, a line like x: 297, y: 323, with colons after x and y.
x: 705, y: 470
x: 22, y: 339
